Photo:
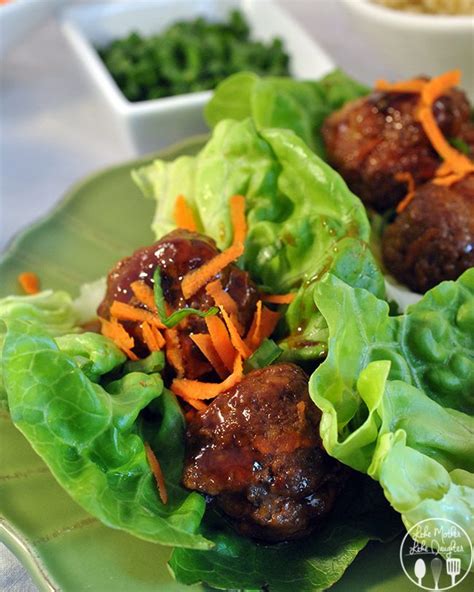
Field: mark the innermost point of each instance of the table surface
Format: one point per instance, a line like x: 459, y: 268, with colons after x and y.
x: 54, y: 130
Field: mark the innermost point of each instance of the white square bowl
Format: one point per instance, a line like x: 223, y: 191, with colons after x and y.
x: 150, y: 125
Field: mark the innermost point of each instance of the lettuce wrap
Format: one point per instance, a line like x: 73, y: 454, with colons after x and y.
x: 302, y: 219
x: 397, y: 396
x: 88, y: 413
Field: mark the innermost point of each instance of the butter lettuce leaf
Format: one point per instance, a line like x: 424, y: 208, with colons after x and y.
x: 52, y: 310
x: 397, y: 395
x: 279, y: 102
x: 350, y: 260
x: 89, y: 432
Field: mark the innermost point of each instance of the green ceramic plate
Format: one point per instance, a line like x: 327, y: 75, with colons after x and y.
x: 98, y: 222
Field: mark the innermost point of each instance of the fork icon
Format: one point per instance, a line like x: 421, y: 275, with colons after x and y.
x: 453, y: 568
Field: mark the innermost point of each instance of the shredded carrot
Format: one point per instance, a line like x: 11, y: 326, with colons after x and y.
x: 196, y: 279
x: 29, y: 282
x: 194, y: 389
x: 443, y: 169
x: 191, y: 413
x: 222, y: 298
x: 459, y: 163
x: 235, y: 338
x: 196, y: 403
x: 434, y: 88
x: 152, y: 337
x: 252, y: 335
x: 183, y: 214
x: 410, y: 181
x: 263, y: 325
x: 279, y: 298
x: 449, y: 180
x: 144, y: 294
x: 157, y: 472
x: 173, y: 351
x: 237, y: 215
x: 408, y: 86
x: 221, y: 340
x: 204, y: 343
x: 115, y: 331
x: 126, y: 312
x: 269, y: 321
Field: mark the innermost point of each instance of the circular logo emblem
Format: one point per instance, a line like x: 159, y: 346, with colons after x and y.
x: 431, y: 553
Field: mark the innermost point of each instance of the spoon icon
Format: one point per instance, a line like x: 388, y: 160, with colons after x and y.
x: 436, y: 566
x: 420, y: 570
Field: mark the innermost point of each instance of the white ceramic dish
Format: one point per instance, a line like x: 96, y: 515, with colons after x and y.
x: 19, y: 17
x: 414, y: 44
x: 150, y: 125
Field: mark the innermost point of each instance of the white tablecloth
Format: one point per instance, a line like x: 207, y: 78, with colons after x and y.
x: 54, y: 130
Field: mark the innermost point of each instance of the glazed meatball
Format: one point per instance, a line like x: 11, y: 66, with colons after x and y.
x: 257, y: 450
x: 433, y: 238
x: 178, y: 253
x: 372, y: 139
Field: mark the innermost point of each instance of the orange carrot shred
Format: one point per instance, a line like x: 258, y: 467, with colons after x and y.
x: 196, y: 403
x: 194, y: 389
x: 144, y: 294
x: 443, y: 169
x: 204, y: 343
x: 158, y: 336
x: 449, y: 180
x: 408, y: 179
x: 269, y: 321
x: 235, y: 338
x: 222, y: 298
x: 126, y: 312
x: 221, y: 340
x: 196, y: 279
x: 434, y: 88
x: 263, y: 325
x: 237, y: 215
x: 115, y: 331
x: 279, y: 298
x: 252, y: 335
x: 183, y: 214
x: 173, y: 351
x: 153, y: 339
x: 29, y: 282
x: 458, y: 162
x: 157, y: 472
x: 408, y: 86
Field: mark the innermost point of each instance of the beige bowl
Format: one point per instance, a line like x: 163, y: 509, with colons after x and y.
x: 414, y: 44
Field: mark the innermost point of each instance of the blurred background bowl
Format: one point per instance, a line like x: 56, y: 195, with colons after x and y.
x: 153, y: 124
x: 19, y: 17
x: 414, y: 43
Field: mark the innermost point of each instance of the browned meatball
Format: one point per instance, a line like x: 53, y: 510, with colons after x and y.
x: 433, y: 238
x: 257, y: 450
x: 178, y: 253
x: 372, y: 139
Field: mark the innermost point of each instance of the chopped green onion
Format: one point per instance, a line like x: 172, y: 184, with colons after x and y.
x: 460, y: 145
x: 190, y: 56
x: 178, y: 315
x: 263, y: 356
